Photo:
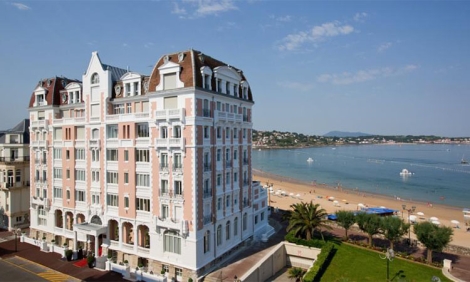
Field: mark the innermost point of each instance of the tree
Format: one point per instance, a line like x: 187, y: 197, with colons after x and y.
x: 369, y: 223
x: 345, y: 219
x: 435, y: 238
x: 393, y: 228
x: 305, y: 218
x: 297, y: 273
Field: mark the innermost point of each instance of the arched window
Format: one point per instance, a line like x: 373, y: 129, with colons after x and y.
x: 235, y: 226
x: 95, y: 134
x: 95, y: 78
x: 245, y: 223
x: 227, y: 230
x: 219, y: 235
x: 207, y: 240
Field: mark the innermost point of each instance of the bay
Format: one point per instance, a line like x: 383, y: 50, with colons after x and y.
x: 438, y: 176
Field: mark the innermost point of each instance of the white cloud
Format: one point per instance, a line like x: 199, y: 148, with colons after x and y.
x: 21, y: 6
x: 384, y: 47
x: 177, y: 10
x: 316, y: 34
x: 360, y: 17
x: 363, y: 75
x: 148, y: 44
x: 298, y: 86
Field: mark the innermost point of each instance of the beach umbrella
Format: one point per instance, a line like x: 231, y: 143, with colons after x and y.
x: 298, y: 196
x: 291, y: 194
x: 331, y: 198
x: 361, y: 205
x: 382, y: 207
x: 433, y: 218
x: 420, y: 213
x: 435, y: 222
x: 455, y: 221
x: 335, y: 202
x: 413, y: 218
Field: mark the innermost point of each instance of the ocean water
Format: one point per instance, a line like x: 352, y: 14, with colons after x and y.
x: 438, y: 175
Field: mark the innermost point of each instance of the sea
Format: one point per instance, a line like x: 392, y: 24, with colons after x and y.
x: 437, y: 174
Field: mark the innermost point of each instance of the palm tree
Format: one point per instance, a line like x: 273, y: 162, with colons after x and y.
x: 297, y: 273
x: 305, y: 218
x: 435, y: 238
x: 393, y: 228
x: 345, y: 219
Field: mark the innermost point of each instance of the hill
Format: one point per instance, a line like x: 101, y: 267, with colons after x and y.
x: 345, y: 134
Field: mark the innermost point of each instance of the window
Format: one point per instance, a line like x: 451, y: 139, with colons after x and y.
x: 128, y: 108
x: 126, y: 177
x: 142, y: 130
x: 67, y: 173
x: 207, y: 240
x: 219, y: 235
x: 112, y: 155
x: 68, y: 194
x: 57, y: 154
x: 95, y: 155
x: 227, y: 88
x: 219, y: 132
x: 118, y: 109
x: 207, y: 81
x: 169, y: 81
x: 219, y: 106
x: 126, y: 202
x: 245, y: 221
x: 219, y: 155
x: 205, y: 108
x: 143, y: 180
x: 80, y: 195
x: 142, y: 155
x: 80, y: 175
x: 177, y: 161
x: 95, y: 78
x: 235, y: 153
x: 95, y: 199
x: 219, y: 204
x: 57, y: 173
x: 235, y: 177
x: 227, y: 230
x: 57, y: 193
x: 235, y: 133
x: 42, y: 216
x: 262, y: 216
x: 178, y: 188
x: 165, y: 211
x: 112, y: 177
x: 219, y: 179
x: 164, y: 161
x: 227, y: 178
x: 136, y: 88
x: 112, y: 131
x: 172, y: 242
x: 95, y: 176
x: 163, y: 132
x: 227, y: 201
x: 112, y: 200
x: 206, y: 132
x: 177, y: 131
x: 227, y: 132
x: 244, y: 133
x: 67, y: 154
x: 79, y: 154
x: 235, y: 226
x: 142, y: 204
x: 126, y: 155
x: 219, y: 85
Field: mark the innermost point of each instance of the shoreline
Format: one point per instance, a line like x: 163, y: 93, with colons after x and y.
x: 297, y: 191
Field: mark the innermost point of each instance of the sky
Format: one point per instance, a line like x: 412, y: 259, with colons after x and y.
x: 378, y: 67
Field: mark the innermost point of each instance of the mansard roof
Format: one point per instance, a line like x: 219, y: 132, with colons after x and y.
x: 52, y: 86
x: 191, y: 62
x: 21, y: 128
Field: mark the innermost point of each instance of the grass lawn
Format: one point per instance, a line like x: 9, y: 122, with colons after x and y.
x: 353, y: 264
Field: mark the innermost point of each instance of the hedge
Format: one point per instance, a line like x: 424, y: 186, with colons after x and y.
x: 318, y: 265
x: 314, y: 243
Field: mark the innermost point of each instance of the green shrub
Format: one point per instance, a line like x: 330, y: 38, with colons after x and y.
x: 314, y: 243
x: 319, y: 264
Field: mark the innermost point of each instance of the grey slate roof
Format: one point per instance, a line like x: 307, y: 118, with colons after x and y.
x: 21, y: 128
x: 116, y: 72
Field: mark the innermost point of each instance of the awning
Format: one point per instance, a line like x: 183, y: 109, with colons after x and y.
x: 90, y: 228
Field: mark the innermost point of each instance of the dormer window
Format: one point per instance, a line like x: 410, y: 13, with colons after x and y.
x: 136, y: 88
x: 227, y: 87
x: 127, y: 92
x: 40, y: 100
x: 235, y: 90
x: 95, y: 78
x: 207, y: 82
x: 245, y: 93
x: 219, y: 85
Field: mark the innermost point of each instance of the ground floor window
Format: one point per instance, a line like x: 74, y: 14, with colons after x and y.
x: 172, y: 242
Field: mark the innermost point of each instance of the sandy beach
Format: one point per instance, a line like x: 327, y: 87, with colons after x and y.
x: 348, y: 199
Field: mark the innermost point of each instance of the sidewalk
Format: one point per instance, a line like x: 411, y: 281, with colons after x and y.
x: 55, y: 262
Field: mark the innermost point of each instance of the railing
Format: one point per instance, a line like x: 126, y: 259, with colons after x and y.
x: 128, y: 117
x: 228, y: 164
x: 170, y: 142
x: 144, y: 251
x: 207, y: 219
x: 169, y: 114
x: 14, y: 159
x: 165, y: 192
x: 207, y: 193
x: 177, y: 167
x: 71, y: 120
x: 39, y: 143
x: 164, y: 167
x: 39, y: 123
x: 94, y: 143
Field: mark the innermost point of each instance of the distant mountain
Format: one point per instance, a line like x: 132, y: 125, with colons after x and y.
x: 345, y: 134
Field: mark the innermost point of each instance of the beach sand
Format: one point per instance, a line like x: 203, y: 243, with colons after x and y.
x: 348, y: 199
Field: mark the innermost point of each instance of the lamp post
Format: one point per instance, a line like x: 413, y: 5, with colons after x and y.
x: 410, y: 212
x: 389, y: 255
x: 17, y: 232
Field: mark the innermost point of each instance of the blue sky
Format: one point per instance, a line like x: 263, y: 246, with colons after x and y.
x: 380, y: 67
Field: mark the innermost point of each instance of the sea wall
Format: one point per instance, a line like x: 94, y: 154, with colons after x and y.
x: 457, y: 250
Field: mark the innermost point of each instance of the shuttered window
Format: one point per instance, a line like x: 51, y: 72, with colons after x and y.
x: 171, y: 103
x: 169, y: 81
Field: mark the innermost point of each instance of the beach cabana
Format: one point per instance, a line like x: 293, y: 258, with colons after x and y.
x: 381, y: 211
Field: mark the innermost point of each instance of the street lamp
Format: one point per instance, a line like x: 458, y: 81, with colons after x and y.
x: 389, y: 255
x: 17, y: 233
x: 410, y: 212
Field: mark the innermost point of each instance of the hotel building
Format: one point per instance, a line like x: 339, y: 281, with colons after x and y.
x: 155, y: 170
x: 14, y: 177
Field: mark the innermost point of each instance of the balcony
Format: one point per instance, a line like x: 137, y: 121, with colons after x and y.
x: 96, y: 144
x: 39, y: 144
x: 65, y: 121
x: 245, y: 161
x: 177, y: 167
x: 169, y: 223
x: 14, y: 159
x: 170, y: 143
x: 207, y: 219
x: 39, y: 123
x: 128, y: 117
x: 164, y: 167
x: 170, y: 114
x: 227, y: 117
x: 228, y: 164
x: 40, y: 201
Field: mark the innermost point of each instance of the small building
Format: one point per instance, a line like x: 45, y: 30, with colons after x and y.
x: 14, y: 177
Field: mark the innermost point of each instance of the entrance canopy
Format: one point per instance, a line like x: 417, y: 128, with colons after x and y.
x: 90, y: 229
